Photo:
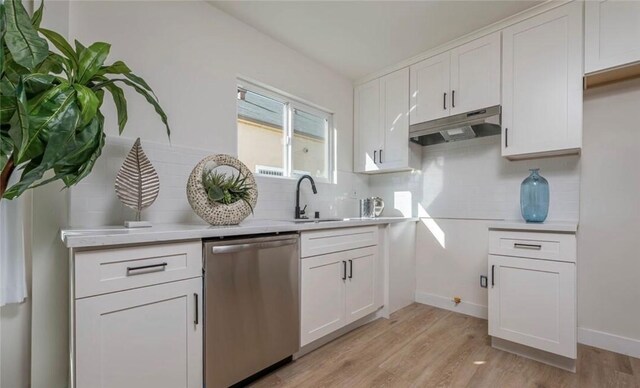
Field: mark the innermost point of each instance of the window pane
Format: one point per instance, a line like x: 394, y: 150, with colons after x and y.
x: 261, y: 133
x: 310, y: 148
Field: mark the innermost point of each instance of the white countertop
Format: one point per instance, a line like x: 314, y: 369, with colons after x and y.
x: 561, y: 226
x: 119, y: 235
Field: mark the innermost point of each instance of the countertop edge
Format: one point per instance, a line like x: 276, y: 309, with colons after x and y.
x: 107, y: 236
x: 564, y: 227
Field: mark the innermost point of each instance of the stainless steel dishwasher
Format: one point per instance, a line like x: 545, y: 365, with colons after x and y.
x: 252, y: 319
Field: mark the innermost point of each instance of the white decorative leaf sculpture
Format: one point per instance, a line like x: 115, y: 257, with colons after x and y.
x: 137, y: 182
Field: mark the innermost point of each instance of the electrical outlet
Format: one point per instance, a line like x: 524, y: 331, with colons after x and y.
x: 483, y: 281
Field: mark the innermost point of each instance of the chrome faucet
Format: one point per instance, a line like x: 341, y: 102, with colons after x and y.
x: 300, y: 213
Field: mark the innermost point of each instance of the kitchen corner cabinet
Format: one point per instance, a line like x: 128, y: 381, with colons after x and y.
x: 463, y: 79
x: 542, y: 84
x: 338, y: 287
x: 532, y: 290
x: 381, y: 122
x: 612, y: 33
x: 137, y: 316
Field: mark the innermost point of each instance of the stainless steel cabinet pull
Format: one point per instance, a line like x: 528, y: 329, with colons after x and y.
x: 453, y: 98
x: 197, y: 318
x: 444, y: 101
x: 375, y: 154
x: 146, y: 269
x: 493, y: 275
x: 536, y: 247
x: 350, y: 269
x: 244, y: 247
x: 344, y: 270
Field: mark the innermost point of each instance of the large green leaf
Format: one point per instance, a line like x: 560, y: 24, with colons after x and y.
x: 36, y: 83
x: 79, y: 161
x: 141, y: 82
x: 26, y: 46
x: 91, y: 60
x: 2, y: 31
x: 19, y: 131
x: 5, y: 149
x: 118, y: 67
x: 88, y: 102
x: 36, y: 19
x: 7, y: 108
x: 61, y: 44
x: 149, y: 98
x: 46, y: 115
x: 61, y: 130
x: 121, y: 105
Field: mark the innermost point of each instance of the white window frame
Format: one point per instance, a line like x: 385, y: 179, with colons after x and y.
x: 290, y: 104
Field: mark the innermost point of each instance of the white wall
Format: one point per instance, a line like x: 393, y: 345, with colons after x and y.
x: 192, y: 54
x: 608, y: 259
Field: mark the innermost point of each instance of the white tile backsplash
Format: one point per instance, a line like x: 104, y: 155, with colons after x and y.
x: 471, y: 180
x: 93, y: 201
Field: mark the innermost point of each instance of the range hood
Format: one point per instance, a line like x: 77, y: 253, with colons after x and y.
x: 464, y: 126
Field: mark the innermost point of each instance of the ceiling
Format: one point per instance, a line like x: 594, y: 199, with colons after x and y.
x: 356, y: 38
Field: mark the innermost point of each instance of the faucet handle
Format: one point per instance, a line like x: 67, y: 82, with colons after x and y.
x: 302, y: 211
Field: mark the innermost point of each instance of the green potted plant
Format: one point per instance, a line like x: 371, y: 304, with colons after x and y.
x: 50, y: 118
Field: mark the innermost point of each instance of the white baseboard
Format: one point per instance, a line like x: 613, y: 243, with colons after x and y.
x: 467, y: 308
x: 595, y: 338
x: 611, y: 342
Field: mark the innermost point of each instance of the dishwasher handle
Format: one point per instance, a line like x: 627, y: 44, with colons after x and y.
x: 221, y: 249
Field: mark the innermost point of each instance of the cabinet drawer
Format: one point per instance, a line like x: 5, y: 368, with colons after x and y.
x: 116, y: 269
x: 536, y: 245
x: 320, y: 242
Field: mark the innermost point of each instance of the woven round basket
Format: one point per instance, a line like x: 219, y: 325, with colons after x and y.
x: 216, y: 213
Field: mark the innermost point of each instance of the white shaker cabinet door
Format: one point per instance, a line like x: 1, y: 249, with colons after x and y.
x: 322, y: 284
x: 394, y: 92
x: 533, y: 302
x: 430, y: 96
x: 367, y: 124
x: 612, y: 33
x: 475, y: 74
x: 146, y: 337
x: 361, y: 282
x: 542, y: 84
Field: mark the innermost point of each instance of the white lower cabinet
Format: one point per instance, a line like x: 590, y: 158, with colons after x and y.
x: 138, y: 337
x: 532, y: 292
x: 339, y: 287
x: 532, y: 302
x: 361, y: 283
x: 322, y: 296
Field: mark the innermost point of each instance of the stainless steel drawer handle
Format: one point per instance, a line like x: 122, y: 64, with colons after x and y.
x: 244, y: 247
x: 535, y: 247
x: 146, y: 269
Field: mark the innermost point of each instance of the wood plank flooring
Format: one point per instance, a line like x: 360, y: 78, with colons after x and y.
x: 423, y: 346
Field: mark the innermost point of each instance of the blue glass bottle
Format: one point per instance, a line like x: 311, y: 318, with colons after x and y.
x: 534, y: 197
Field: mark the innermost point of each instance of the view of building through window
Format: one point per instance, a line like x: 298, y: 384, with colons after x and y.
x: 278, y: 136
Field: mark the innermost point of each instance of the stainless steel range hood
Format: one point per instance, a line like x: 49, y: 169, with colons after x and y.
x: 479, y: 123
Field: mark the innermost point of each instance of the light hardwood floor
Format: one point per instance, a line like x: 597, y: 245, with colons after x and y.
x: 423, y: 346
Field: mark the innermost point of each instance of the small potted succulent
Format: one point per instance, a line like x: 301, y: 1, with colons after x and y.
x: 220, y: 198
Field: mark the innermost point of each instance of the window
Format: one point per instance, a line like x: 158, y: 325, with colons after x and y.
x: 279, y: 136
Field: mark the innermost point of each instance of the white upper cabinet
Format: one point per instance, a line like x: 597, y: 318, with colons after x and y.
x: 367, y: 126
x: 394, y: 92
x: 430, y: 94
x: 612, y: 33
x: 457, y: 81
x: 475, y: 75
x: 381, y: 125
x: 542, y: 84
